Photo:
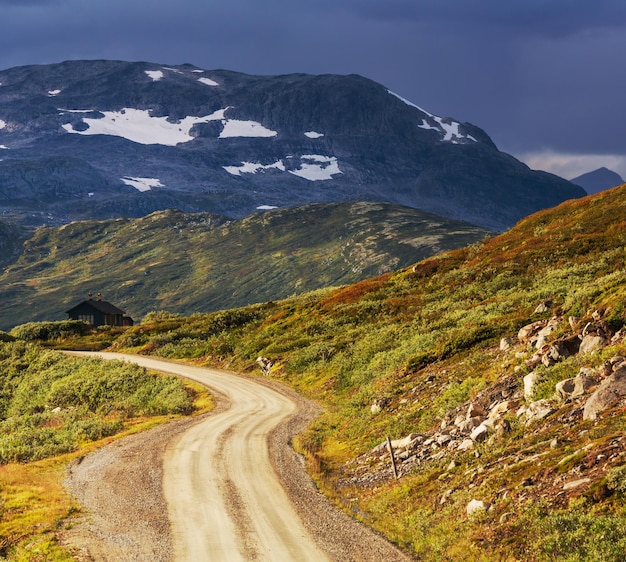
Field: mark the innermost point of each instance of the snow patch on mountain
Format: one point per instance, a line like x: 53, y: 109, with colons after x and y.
x: 53, y: 93
x: 4, y: 147
x: 448, y: 128
x: 139, y: 126
x: 315, y: 167
x: 208, y: 81
x: 253, y: 168
x: 142, y: 184
x: 235, y: 128
x: 156, y: 75
x: 313, y: 135
x: 3, y: 124
x: 407, y: 102
x: 266, y: 207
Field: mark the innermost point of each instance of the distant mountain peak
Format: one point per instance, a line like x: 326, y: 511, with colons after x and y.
x: 598, y: 180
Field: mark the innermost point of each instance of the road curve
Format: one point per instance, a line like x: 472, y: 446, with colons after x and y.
x: 224, y: 498
x: 233, y: 487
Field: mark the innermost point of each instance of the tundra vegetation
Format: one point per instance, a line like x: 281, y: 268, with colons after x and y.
x: 54, y: 408
x: 458, y: 359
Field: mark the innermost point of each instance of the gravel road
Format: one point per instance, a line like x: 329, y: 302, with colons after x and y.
x: 225, y: 486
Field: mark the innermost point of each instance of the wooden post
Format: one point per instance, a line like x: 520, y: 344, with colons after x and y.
x: 393, y: 460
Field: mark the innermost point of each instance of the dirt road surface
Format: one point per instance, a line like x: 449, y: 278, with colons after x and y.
x: 227, y: 487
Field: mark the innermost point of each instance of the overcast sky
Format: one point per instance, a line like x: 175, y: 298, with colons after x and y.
x: 546, y: 79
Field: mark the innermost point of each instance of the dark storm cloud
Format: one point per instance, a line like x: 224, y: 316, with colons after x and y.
x: 535, y: 74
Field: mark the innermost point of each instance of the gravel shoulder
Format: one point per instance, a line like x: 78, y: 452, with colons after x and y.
x: 126, y: 516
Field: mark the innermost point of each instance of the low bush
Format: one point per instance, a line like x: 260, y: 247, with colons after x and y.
x: 46, y: 331
x: 50, y: 403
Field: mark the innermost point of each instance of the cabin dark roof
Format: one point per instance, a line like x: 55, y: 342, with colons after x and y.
x: 103, y: 306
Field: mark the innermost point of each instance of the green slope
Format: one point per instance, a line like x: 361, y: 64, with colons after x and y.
x: 417, y: 353
x: 199, y: 262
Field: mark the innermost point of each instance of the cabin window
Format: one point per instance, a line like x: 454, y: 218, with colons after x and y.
x: 86, y: 318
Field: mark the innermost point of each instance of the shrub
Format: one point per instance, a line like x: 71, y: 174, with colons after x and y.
x: 46, y: 331
x: 616, y: 479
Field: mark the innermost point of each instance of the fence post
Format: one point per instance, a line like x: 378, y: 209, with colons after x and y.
x: 393, y: 460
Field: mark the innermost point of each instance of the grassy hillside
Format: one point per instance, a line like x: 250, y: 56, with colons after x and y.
x: 54, y: 408
x: 433, y: 357
x: 198, y: 263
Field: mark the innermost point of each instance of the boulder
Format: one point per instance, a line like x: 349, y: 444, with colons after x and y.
x: 543, y: 334
x: 530, y: 382
x: 611, y: 392
x: 528, y: 332
x: 501, y: 408
x: 538, y: 410
x: 466, y: 445
x: 574, y: 387
x: 480, y: 433
x: 475, y: 411
x: 476, y: 506
x: 592, y: 342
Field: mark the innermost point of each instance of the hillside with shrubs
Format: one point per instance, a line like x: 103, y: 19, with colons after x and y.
x: 497, y: 372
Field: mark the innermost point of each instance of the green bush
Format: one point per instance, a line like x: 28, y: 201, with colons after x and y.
x: 616, y: 479
x: 50, y: 402
x: 46, y: 331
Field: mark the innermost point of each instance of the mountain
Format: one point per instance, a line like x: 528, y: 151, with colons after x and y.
x: 598, y: 180
x: 497, y: 371
x: 189, y: 263
x: 107, y: 139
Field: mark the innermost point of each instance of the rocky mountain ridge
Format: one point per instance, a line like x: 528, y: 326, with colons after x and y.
x: 105, y: 139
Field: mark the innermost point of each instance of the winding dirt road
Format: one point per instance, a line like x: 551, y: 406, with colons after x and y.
x: 234, y: 489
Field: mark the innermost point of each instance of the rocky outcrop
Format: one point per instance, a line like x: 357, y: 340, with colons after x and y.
x: 611, y: 392
x: 487, y: 417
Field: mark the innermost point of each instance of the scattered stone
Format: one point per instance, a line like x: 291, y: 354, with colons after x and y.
x: 476, y: 506
x: 530, y: 381
x: 266, y: 365
x: 543, y: 307
x: 506, y: 344
x: 576, y: 483
x: 573, y: 321
x: 538, y: 410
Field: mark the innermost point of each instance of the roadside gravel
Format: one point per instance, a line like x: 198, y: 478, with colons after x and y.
x: 120, y: 488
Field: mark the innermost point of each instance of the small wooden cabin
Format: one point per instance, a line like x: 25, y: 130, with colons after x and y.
x: 99, y: 313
